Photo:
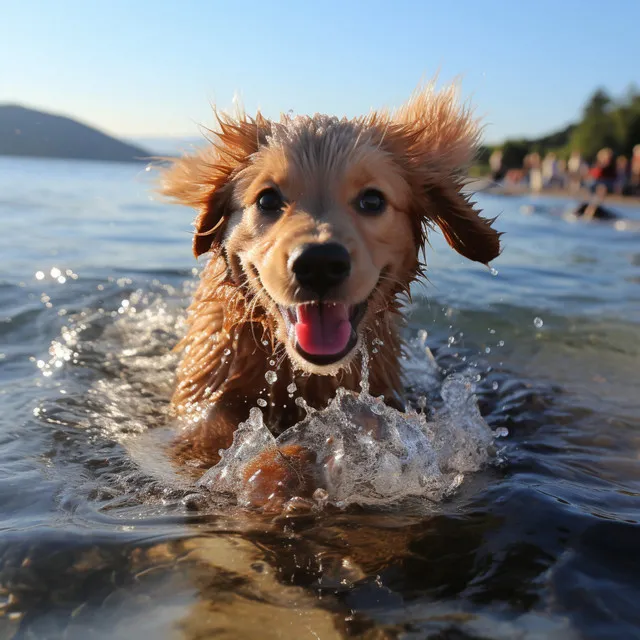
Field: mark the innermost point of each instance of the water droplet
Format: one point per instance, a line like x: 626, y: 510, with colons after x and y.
x: 321, y: 496
x: 378, y: 408
x: 501, y: 343
x: 364, y: 377
x: 265, y: 343
x: 538, y: 322
x: 39, y: 275
x: 292, y: 388
x: 487, y: 349
x: 271, y: 376
x: 495, y: 386
x: 492, y: 331
x: 227, y: 352
x: 501, y: 432
x: 55, y: 272
x: 374, y: 350
x: 494, y: 272
x: 272, y: 363
x: 262, y: 402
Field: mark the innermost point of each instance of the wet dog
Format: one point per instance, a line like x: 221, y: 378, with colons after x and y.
x: 315, y: 227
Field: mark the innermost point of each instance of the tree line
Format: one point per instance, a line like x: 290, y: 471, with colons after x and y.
x: 606, y: 122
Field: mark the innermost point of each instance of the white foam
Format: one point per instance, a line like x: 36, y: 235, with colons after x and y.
x: 368, y: 453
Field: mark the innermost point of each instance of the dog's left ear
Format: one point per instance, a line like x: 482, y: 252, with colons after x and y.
x: 463, y: 227
x: 440, y: 140
x: 204, y: 181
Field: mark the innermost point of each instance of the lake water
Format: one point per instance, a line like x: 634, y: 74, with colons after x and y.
x: 98, y: 539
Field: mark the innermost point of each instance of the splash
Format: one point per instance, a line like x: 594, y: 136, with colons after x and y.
x: 368, y: 453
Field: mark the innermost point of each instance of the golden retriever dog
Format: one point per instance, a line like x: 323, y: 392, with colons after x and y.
x: 314, y: 227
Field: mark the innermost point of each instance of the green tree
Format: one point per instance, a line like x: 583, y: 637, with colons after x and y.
x: 605, y: 123
x: 598, y: 128
x: 626, y: 120
x: 513, y: 153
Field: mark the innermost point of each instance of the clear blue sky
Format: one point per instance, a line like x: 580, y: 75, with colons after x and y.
x: 152, y: 68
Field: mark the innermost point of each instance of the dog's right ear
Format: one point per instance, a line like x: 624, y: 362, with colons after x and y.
x: 204, y: 180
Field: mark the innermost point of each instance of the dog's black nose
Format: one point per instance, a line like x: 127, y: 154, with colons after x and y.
x: 320, y: 267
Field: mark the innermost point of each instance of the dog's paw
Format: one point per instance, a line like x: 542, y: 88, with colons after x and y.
x: 273, y: 478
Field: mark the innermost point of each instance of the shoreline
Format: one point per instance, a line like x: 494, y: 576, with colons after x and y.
x: 485, y: 185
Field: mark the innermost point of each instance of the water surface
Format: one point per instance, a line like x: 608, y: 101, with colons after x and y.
x: 99, y: 538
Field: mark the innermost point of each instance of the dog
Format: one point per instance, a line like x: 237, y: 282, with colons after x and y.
x: 315, y: 228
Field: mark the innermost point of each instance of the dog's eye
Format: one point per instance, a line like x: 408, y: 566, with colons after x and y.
x: 370, y: 202
x: 270, y: 201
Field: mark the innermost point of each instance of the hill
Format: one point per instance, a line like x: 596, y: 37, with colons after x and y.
x: 27, y: 132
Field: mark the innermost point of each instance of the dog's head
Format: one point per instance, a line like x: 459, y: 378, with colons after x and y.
x: 321, y: 221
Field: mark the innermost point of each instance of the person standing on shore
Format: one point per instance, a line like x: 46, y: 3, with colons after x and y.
x: 634, y: 171
x: 495, y: 164
x: 622, y: 176
x: 577, y: 169
x: 603, y: 172
x: 535, y: 173
x: 550, y: 173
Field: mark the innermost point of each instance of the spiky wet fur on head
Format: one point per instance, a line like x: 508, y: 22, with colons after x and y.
x: 419, y: 152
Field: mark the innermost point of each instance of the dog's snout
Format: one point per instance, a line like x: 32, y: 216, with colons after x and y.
x: 320, y: 267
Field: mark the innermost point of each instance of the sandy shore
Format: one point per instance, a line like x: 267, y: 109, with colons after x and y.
x: 488, y: 186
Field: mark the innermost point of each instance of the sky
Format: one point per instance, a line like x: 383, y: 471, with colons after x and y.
x: 153, y: 68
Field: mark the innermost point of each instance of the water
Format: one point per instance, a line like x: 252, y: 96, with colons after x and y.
x: 100, y: 537
x: 366, y: 453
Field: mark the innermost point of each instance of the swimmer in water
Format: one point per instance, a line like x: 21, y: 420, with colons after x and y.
x: 594, y: 210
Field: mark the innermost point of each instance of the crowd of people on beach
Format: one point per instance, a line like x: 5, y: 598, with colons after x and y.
x: 607, y: 174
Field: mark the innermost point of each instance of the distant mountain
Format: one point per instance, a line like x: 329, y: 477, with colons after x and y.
x: 27, y: 132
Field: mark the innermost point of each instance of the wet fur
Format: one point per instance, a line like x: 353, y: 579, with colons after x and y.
x: 420, y: 152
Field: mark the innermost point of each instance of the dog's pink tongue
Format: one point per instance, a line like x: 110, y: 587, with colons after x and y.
x: 323, y: 329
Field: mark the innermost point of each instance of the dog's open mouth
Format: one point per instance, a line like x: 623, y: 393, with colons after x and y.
x: 323, y: 332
